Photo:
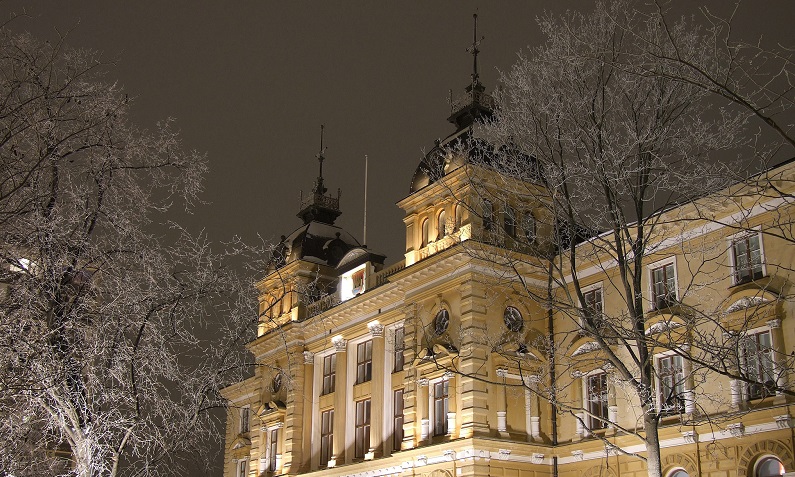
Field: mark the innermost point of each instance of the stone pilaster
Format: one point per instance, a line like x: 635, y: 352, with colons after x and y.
x: 410, y: 416
x: 377, y: 390
x: 293, y: 425
x: 340, y: 398
x: 473, y: 357
x: 306, y: 442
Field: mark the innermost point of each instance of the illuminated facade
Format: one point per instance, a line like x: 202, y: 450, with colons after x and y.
x: 430, y: 366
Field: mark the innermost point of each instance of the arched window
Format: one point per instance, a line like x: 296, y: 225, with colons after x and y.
x: 510, y: 221
x: 425, y: 232
x: 679, y: 473
x: 769, y: 466
x: 513, y: 319
x: 441, y: 322
x: 456, y: 217
x: 441, y: 223
x: 529, y: 226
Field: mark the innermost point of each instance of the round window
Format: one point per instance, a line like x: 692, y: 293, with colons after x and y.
x: 769, y: 467
x: 276, y: 383
x: 679, y: 473
x: 513, y: 319
x: 441, y: 322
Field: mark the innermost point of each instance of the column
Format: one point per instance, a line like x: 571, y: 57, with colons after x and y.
x: 779, y: 368
x: 687, y: 374
x: 340, y: 395
x: 422, y: 409
x: 309, y: 404
x: 501, y: 404
x: 377, y: 391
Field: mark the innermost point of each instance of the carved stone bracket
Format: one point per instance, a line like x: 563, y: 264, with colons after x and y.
x: 774, y: 323
x: 340, y: 344
x: 690, y: 437
x: 537, y: 458
x: 502, y: 372
x: 736, y: 430
x: 309, y: 357
x: 578, y: 455
x: 784, y: 421
x: 504, y: 454
x: 376, y: 329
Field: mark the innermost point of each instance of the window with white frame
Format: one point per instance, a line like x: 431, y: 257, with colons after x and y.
x: 747, y: 260
x: 663, y: 285
x: 441, y: 406
x: 273, y: 448
x: 362, y: 428
x: 242, y: 468
x: 670, y: 384
x: 400, y: 346
x: 326, y: 436
x: 596, y: 400
x: 244, y: 419
x: 769, y: 466
x: 364, y: 361
x: 329, y: 373
x: 757, y: 364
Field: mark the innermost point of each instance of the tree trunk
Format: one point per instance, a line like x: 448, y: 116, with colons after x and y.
x: 653, y: 462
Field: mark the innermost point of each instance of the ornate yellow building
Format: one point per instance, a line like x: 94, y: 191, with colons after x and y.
x: 436, y: 365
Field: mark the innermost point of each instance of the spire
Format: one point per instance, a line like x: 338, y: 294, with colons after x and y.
x: 474, y: 50
x: 319, y: 206
x: 319, y: 188
x: 475, y: 103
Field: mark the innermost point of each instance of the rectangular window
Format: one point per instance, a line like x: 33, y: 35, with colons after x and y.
x: 596, y: 394
x: 757, y: 353
x: 399, y: 348
x: 362, y: 436
x: 329, y: 373
x: 593, y: 301
x: 747, y: 255
x: 441, y: 406
x: 326, y: 436
x: 488, y: 215
x: 364, y: 362
x: 397, y: 437
x: 671, y: 384
x: 242, y: 468
x: 663, y: 286
x: 273, y: 449
x: 244, y: 419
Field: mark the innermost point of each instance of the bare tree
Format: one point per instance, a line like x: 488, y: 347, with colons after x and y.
x: 106, y: 359
x: 630, y: 154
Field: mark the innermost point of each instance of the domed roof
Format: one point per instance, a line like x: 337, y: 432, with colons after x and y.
x: 447, y: 156
x: 315, y: 242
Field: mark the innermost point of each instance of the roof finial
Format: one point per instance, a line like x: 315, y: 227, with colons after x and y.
x: 474, y: 50
x: 319, y: 189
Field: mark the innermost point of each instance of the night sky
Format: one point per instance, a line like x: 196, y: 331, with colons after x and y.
x: 249, y: 83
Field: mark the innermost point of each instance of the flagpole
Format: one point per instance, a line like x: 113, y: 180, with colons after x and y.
x: 364, y: 238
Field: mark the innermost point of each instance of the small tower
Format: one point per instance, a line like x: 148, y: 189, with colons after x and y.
x: 319, y: 206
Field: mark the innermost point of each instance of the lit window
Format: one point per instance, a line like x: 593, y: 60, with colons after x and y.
x: 457, y: 217
x: 671, y: 379
x: 757, y: 354
x: 329, y: 373
x: 364, y: 362
x: 441, y: 322
x: 487, y: 212
x: 769, y: 467
x: 244, y: 419
x: 596, y: 396
x: 747, y: 259
x: 510, y: 221
x: 400, y: 346
x: 513, y: 319
x: 362, y: 436
x: 398, y: 420
x: 441, y: 223
x: 441, y: 406
x: 663, y: 286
